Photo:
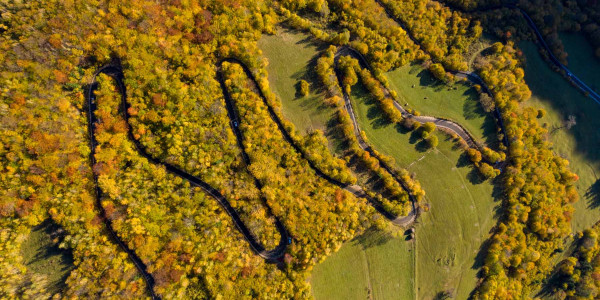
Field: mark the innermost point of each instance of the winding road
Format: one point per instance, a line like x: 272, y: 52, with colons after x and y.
x: 116, y: 73
x: 445, y: 124
x: 273, y: 255
x: 356, y: 190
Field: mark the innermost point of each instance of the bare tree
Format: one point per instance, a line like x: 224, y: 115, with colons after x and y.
x: 570, y: 122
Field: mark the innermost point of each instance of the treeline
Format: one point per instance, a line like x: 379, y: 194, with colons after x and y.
x: 538, y: 190
x: 578, y: 276
x: 444, y: 34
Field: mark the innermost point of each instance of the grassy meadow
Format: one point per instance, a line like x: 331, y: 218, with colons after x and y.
x: 449, y: 236
x: 292, y: 56
x: 375, y: 265
x: 444, y: 255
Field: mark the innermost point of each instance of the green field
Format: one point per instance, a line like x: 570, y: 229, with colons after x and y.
x: 462, y: 207
x: 449, y: 237
x: 292, y: 56
x: 375, y: 264
x: 582, y: 60
x: 580, y: 144
x: 42, y: 256
x: 431, y: 97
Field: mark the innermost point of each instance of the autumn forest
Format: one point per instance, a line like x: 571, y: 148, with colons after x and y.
x: 157, y: 149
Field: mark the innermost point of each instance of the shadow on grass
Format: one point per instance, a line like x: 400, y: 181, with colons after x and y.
x: 593, y: 195
x: 41, y: 254
x: 372, y: 238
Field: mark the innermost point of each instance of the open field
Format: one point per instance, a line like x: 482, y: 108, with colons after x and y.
x: 431, y: 97
x: 375, y: 263
x: 42, y: 256
x: 580, y: 144
x: 462, y: 208
x: 291, y: 57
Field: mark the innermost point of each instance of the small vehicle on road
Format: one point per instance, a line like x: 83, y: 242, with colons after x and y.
x: 235, y: 123
x: 289, y: 240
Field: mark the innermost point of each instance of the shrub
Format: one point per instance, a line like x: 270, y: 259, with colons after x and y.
x: 304, y: 88
x: 474, y: 155
x: 432, y: 141
x: 429, y: 127
x: 541, y: 113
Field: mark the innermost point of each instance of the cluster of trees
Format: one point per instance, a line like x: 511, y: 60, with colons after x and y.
x: 483, y: 166
x: 377, y: 37
x: 444, y: 34
x: 578, y: 276
x: 538, y: 189
x: 190, y: 245
x: 305, y: 202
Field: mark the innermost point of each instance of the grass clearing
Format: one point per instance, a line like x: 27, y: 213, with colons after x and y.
x: 41, y: 255
x: 462, y: 212
x: 374, y: 264
x: 292, y: 56
x: 580, y: 144
x: 458, y: 102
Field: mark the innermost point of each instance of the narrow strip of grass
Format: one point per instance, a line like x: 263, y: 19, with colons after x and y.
x: 579, y: 144
x: 449, y: 237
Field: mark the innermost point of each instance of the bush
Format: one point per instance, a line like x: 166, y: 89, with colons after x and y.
x: 488, y: 171
x: 541, y: 113
x: 304, y: 88
x: 429, y: 127
x: 474, y: 155
x: 432, y: 141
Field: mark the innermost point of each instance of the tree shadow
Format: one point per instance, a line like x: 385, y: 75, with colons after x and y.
x: 372, y: 238
x: 422, y: 145
x: 414, y: 137
x: 593, y: 195
x: 46, y: 246
x: 479, y: 261
x: 463, y: 160
x: 475, y: 177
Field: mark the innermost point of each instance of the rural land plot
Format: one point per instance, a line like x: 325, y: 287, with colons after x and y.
x: 374, y: 265
x: 450, y: 235
x: 291, y: 57
x: 579, y: 144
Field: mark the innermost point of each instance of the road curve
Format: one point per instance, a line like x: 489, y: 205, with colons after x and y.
x: 356, y: 190
x: 116, y: 73
x: 445, y: 124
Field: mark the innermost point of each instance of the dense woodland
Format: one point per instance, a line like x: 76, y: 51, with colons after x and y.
x: 578, y: 276
x: 50, y: 50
